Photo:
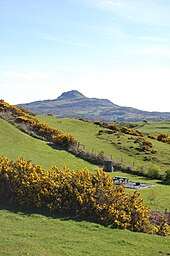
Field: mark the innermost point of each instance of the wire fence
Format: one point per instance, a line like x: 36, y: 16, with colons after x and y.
x: 106, y: 156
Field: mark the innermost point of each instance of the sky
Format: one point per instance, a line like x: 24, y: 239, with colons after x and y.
x: 113, y: 49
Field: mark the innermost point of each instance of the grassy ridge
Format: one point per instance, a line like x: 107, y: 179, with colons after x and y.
x: 15, y: 143
x: 26, y: 233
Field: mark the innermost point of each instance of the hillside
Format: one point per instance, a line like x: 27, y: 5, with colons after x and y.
x: 30, y: 233
x: 119, y: 146
x: 140, y: 148
x: 74, y: 104
x: 15, y: 143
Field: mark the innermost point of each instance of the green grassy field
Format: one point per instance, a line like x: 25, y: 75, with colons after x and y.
x: 15, y: 143
x: 23, y: 145
x: 118, y: 147
x: 28, y: 233
x: 25, y: 233
x: 155, y: 127
x: 156, y: 197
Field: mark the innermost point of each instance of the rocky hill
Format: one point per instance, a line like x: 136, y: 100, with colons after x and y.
x: 73, y: 104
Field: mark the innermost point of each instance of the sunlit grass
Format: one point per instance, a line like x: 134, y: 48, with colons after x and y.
x: 15, y: 143
x: 120, y: 148
x: 26, y: 233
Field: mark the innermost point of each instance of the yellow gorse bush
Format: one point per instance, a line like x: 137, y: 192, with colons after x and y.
x: 24, y: 117
x: 164, y: 138
x: 15, y: 111
x: 88, y: 194
x: 122, y: 129
x: 161, y: 137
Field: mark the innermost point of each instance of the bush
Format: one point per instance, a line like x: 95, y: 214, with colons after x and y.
x: 151, y: 136
x: 92, y: 195
x: 164, y: 138
x: 31, y: 125
x: 167, y: 177
x: 153, y: 173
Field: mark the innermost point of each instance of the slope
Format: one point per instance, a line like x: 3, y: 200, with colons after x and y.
x: 15, y: 143
x: 26, y: 233
x: 116, y: 146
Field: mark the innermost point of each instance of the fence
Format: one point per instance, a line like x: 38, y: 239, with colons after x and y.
x: 105, y: 156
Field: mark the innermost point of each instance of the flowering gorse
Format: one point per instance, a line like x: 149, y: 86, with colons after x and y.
x: 25, y: 120
x: 92, y: 195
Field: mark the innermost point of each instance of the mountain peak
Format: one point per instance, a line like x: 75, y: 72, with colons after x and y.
x: 73, y: 94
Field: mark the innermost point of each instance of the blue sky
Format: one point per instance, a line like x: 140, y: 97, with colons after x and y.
x: 114, y: 49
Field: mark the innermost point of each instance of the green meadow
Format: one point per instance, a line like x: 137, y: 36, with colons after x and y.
x: 118, y: 147
x: 15, y: 143
x: 20, y: 144
x: 36, y: 233
x: 27, y: 233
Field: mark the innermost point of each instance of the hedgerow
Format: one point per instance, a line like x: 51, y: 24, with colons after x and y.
x: 161, y: 137
x: 23, y: 118
x: 15, y: 111
x: 92, y: 195
x: 118, y: 128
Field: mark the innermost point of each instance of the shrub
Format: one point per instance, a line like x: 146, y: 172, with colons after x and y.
x: 151, y: 136
x: 145, y: 145
x: 92, y: 195
x: 31, y: 125
x: 131, y: 131
x: 164, y: 138
x: 167, y: 176
x: 153, y: 173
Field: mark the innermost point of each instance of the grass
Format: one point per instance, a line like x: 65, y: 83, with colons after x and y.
x: 118, y: 147
x: 31, y: 233
x: 15, y: 143
x: 86, y: 134
x: 156, y: 197
x: 26, y: 233
x: 155, y: 127
x: 23, y: 145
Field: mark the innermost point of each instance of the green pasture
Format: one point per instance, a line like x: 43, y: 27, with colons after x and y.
x: 28, y: 233
x: 32, y: 233
x: 86, y: 133
x: 14, y: 143
x: 118, y: 147
x: 155, y: 127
